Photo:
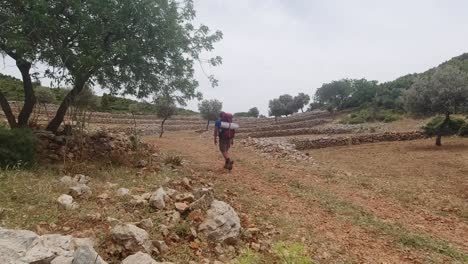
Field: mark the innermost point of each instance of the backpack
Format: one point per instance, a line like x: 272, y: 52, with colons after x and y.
x: 225, y: 132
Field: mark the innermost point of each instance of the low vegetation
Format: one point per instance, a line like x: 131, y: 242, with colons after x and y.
x: 17, y: 148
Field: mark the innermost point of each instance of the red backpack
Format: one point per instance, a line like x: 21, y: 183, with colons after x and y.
x: 226, y: 132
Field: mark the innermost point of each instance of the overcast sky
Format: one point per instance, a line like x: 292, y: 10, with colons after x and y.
x: 273, y: 47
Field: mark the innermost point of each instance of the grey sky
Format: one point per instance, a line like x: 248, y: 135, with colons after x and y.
x: 272, y: 47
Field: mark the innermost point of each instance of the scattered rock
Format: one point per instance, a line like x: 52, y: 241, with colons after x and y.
x: 145, y: 224
x: 80, y: 191
x: 161, y: 246
x: 87, y: 255
x: 157, y: 199
x: 181, y: 207
x: 103, y: 196
x: 205, y: 198
x: 185, y: 197
x: 66, y: 201
x: 186, y: 183
x: 141, y: 258
x: 132, y: 238
x: 123, y: 192
x: 222, y: 224
x: 68, y: 181
x: 138, y: 200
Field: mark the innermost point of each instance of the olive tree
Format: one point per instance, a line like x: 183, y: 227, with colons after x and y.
x: 209, y: 110
x: 253, y: 112
x: 445, y: 91
x: 300, y: 101
x: 165, y: 108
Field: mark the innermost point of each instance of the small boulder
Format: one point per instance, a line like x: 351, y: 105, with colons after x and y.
x: 161, y: 246
x: 80, y: 191
x: 68, y: 181
x: 123, y: 192
x: 66, y: 201
x: 132, y: 238
x: 157, y: 199
x: 141, y: 258
x: 181, y: 207
x: 87, y: 255
x: 222, y: 224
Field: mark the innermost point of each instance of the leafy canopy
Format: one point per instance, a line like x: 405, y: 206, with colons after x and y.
x: 210, y: 109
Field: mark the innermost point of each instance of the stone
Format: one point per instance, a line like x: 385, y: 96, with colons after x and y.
x: 87, y: 255
x: 145, y: 224
x: 62, y: 260
x: 123, y: 192
x: 161, y: 246
x: 164, y: 230
x: 146, y: 196
x: 186, y: 183
x: 68, y: 181
x: 185, y: 197
x: 181, y: 207
x: 103, y: 196
x: 142, y: 258
x: 157, y: 199
x: 132, y: 238
x: 205, y: 198
x: 66, y: 201
x: 171, y: 192
x: 80, y: 191
x: 80, y: 242
x: 80, y: 178
x: 137, y: 200
x: 15, y: 243
x: 222, y: 224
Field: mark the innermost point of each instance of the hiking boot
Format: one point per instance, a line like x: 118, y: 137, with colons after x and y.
x: 230, y: 165
x: 226, y: 163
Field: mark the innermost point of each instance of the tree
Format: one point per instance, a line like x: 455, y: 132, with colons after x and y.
x: 301, y: 100
x: 334, y: 94
x: 133, y: 47
x: 165, y: 108
x: 209, y: 110
x: 284, y: 105
x: 21, y: 37
x: 443, y: 92
x: 253, y: 112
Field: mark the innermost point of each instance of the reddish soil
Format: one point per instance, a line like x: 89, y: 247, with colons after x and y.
x: 399, y: 202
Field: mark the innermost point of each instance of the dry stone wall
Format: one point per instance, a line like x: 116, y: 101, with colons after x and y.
x: 303, y: 144
x: 296, y: 132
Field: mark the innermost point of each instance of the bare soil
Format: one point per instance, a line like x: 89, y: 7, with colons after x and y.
x: 399, y: 202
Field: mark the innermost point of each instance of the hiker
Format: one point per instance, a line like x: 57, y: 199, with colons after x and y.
x: 226, y: 133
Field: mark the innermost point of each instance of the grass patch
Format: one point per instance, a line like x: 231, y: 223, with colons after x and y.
x: 291, y: 253
x: 248, y: 256
x: 369, y: 115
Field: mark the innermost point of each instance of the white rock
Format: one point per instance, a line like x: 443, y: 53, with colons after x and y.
x: 14, y: 244
x: 66, y: 201
x: 139, y: 258
x: 62, y: 260
x: 145, y: 224
x: 80, y: 178
x: 123, y: 192
x: 138, y: 200
x: 68, y: 181
x: 80, y: 190
x: 87, y: 255
x: 132, y: 238
x: 221, y: 223
x: 157, y: 199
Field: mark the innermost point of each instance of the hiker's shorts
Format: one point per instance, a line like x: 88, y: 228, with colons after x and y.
x: 224, y: 144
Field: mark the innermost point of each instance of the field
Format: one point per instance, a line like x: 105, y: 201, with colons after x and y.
x: 389, y: 201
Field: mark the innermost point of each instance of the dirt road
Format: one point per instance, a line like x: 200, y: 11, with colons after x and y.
x: 340, y: 214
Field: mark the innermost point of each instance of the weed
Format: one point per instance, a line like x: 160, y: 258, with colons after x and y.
x: 291, y: 254
x: 173, y: 160
x: 182, y: 230
x: 248, y: 257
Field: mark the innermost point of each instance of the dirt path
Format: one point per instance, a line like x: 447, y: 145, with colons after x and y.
x: 335, y: 223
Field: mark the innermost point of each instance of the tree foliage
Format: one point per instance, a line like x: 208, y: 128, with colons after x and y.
x: 253, y: 112
x: 165, y: 108
x: 301, y: 100
x: 209, y: 110
x: 140, y: 48
x: 444, y: 91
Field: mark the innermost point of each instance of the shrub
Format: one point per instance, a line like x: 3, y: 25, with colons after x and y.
x: 436, y: 126
x: 463, y: 132
x: 17, y: 147
x: 367, y: 115
x: 294, y: 254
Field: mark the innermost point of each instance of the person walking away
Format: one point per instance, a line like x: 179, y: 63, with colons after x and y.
x: 226, y: 137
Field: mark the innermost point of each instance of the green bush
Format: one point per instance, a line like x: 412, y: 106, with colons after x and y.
x: 17, y: 147
x: 463, y: 132
x: 436, y: 126
x: 368, y: 115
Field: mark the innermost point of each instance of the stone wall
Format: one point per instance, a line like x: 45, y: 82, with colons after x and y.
x: 303, y: 144
x: 294, y: 125
x: 296, y: 132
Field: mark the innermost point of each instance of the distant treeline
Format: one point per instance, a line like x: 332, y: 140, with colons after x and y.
x: 12, y: 88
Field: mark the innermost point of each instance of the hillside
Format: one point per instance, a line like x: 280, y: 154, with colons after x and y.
x: 13, y: 90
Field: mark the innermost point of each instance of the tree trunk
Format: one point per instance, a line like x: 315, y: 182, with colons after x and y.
x: 46, y: 111
x: 55, y: 123
x: 162, y: 127
x: 29, y: 97
x: 439, y: 140
x: 7, y: 110
x: 207, y: 125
